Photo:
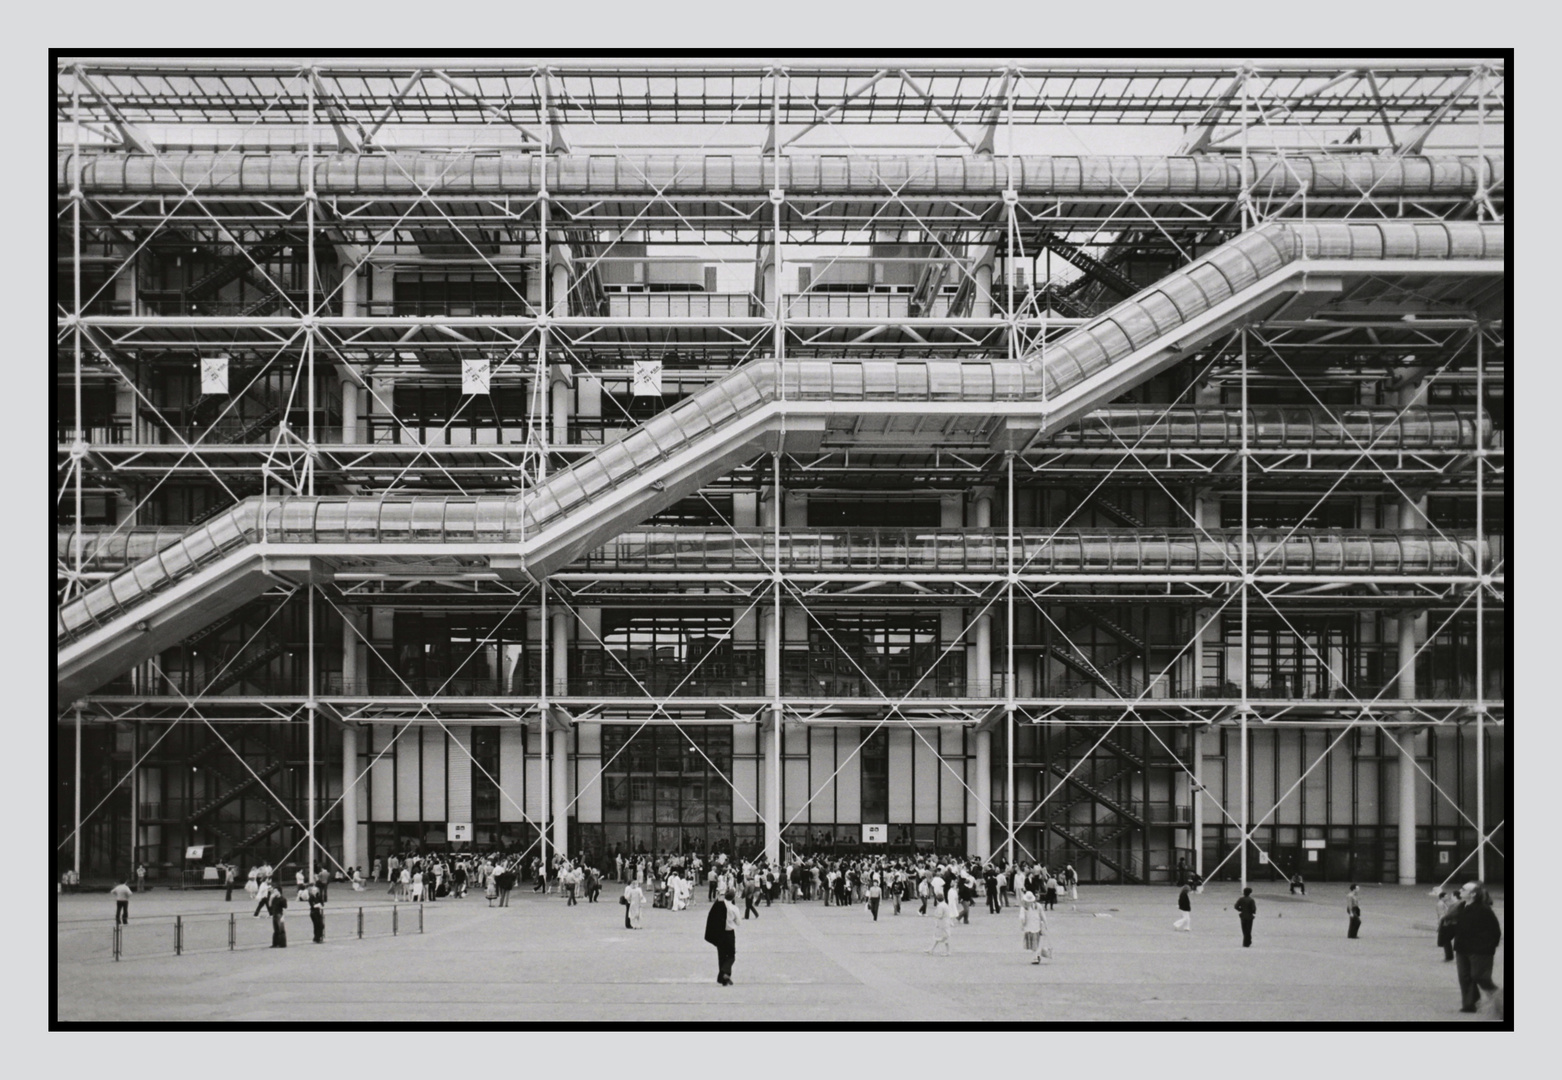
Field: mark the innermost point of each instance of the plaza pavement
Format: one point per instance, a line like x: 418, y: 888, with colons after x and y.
x: 1116, y: 958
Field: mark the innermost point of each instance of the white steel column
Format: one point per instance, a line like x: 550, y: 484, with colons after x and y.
x: 1407, y: 756
x: 350, y: 685
x: 1247, y: 582
x: 1008, y: 661
x: 78, y: 439
x: 135, y: 800
x: 349, y: 384
x: 349, y: 796
x: 984, y: 794
x: 1198, y: 799
x: 773, y: 642
x: 560, y: 789
x: 310, y: 448
x: 310, y: 707
x: 1484, y: 571
x: 559, y: 629
x: 76, y: 791
x: 1411, y: 517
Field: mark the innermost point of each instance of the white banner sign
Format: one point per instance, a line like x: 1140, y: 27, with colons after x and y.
x: 459, y: 830
x: 648, y: 379
x: 474, y: 376
x: 195, y: 851
x: 214, y: 374
x: 875, y: 834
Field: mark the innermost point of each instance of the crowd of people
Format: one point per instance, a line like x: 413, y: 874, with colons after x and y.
x: 944, y: 887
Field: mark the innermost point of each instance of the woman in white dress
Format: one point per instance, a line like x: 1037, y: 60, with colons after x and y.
x: 681, y: 891
x: 636, y: 904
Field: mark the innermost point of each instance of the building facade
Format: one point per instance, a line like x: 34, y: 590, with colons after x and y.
x: 698, y: 456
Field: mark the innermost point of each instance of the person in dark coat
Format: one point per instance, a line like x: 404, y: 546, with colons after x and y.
x: 1476, y: 935
x: 1247, y: 910
x: 721, y: 930
x: 276, y: 904
x: 317, y: 913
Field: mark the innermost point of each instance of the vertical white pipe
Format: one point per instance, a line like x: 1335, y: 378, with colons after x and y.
x: 350, y: 796
x: 1008, y: 661
x: 984, y: 794
x: 560, y: 789
x: 1246, y: 585
x: 76, y: 792
x: 1480, y: 597
x: 310, y: 705
x: 1407, y: 744
x: 78, y: 450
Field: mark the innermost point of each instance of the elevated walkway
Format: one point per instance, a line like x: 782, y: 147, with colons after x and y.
x: 763, y: 407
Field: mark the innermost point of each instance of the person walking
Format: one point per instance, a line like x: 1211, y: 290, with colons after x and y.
x: 721, y: 930
x: 943, y: 923
x: 1033, y: 922
x: 276, y: 904
x: 1071, y: 879
x: 749, y: 891
x: 1353, y: 909
x: 121, y: 895
x: 228, y: 874
x: 141, y: 877
x: 1476, y: 936
x: 636, y: 905
x: 1247, y: 910
x: 1184, y: 905
x: 874, y: 894
x: 994, y: 896
x: 317, y: 913
x: 1447, y: 919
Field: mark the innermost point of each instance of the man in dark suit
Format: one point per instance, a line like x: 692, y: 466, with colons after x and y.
x: 277, y: 905
x: 721, y: 930
x: 1247, y: 910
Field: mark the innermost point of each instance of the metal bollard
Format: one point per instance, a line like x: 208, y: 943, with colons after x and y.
x: 232, y: 931
x: 360, y: 924
x: 420, y: 918
x: 178, y: 935
x: 118, y: 943
x: 395, y: 919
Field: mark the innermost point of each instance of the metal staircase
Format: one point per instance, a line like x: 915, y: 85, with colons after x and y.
x: 239, y: 264
x: 1097, y: 270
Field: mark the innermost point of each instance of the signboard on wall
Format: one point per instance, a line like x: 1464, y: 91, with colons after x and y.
x: 214, y: 374
x: 195, y: 851
x: 647, y: 379
x: 459, y: 831
x: 875, y: 834
x: 474, y: 376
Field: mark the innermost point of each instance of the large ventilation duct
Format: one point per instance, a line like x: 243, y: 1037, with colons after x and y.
x: 268, y: 173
